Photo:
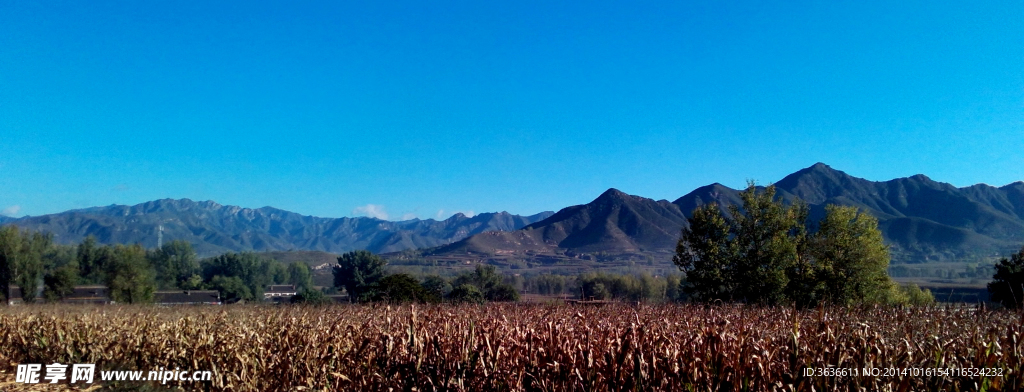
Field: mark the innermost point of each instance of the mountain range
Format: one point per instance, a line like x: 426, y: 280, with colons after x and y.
x: 921, y: 219
x: 213, y: 228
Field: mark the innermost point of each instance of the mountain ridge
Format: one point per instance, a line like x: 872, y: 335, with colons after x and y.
x: 214, y: 228
x: 921, y: 219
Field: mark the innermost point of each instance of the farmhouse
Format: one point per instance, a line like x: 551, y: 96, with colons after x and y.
x: 89, y: 295
x: 14, y: 295
x: 277, y: 292
x: 80, y: 295
x: 187, y: 297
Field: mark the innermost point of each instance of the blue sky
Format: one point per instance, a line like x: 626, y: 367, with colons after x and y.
x: 421, y: 109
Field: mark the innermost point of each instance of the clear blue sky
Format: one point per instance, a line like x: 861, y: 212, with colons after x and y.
x: 421, y: 108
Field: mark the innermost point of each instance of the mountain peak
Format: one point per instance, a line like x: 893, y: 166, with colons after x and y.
x: 612, y: 196
x: 612, y: 192
x: 920, y: 177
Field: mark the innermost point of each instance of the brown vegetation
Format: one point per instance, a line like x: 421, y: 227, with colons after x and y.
x: 525, y: 347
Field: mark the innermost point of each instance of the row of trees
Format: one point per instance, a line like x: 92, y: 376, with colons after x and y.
x: 763, y: 252
x: 362, y: 274
x: 602, y: 286
x: 131, y: 272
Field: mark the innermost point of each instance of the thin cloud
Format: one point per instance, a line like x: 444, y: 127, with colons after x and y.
x: 372, y: 211
x: 10, y: 211
x: 440, y: 214
x: 408, y: 216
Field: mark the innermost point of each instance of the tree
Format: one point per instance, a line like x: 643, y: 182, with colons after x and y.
x: 21, y: 260
x: 358, y: 272
x: 10, y: 249
x: 486, y: 278
x: 175, y: 264
x: 764, y: 254
x: 502, y: 293
x: 851, y: 260
x: 594, y: 289
x: 436, y: 287
x: 308, y: 296
x: 1007, y: 286
x: 130, y: 277
x: 89, y: 258
x: 231, y: 288
x: 299, y: 275
x: 253, y: 271
x: 704, y: 253
x: 911, y: 294
x: 60, y: 283
x: 765, y: 246
x: 466, y: 293
x: 399, y: 288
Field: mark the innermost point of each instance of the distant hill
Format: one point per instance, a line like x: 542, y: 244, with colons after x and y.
x: 923, y: 220
x: 614, y: 222
x: 213, y: 228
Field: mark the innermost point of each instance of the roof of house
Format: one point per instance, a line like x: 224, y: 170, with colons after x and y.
x: 89, y: 293
x: 280, y: 288
x: 187, y: 297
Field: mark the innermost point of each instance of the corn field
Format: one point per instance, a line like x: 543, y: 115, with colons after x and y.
x: 527, y: 347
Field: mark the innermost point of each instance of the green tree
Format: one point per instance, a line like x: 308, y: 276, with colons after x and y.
x: 1007, y: 285
x: 21, y: 260
x: 276, y: 272
x: 487, y: 279
x: 594, y: 289
x: 705, y: 254
x: 130, y: 277
x: 483, y: 276
x: 399, y: 288
x: 175, y: 263
x: 299, y: 275
x: 254, y: 271
x: 60, y: 283
x: 766, y: 249
x: 911, y: 294
x: 436, y: 287
x: 674, y: 285
x: 308, y: 296
x: 89, y: 258
x: 851, y: 260
x: 358, y: 272
x: 10, y: 249
x: 466, y: 293
x: 502, y: 293
x: 231, y: 288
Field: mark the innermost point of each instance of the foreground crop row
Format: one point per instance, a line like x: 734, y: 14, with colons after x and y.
x: 529, y: 347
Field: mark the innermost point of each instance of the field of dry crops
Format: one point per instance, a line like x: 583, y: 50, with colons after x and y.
x: 525, y: 347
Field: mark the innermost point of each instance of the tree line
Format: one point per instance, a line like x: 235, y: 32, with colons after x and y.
x: 132, y: 273
x: 363, y: 276
x: 763, y: 252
